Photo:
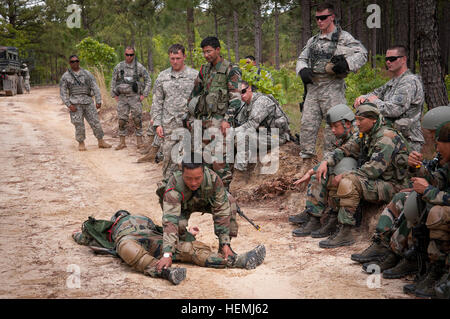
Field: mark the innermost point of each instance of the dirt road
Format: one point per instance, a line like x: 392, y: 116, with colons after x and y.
x: 48, y: 188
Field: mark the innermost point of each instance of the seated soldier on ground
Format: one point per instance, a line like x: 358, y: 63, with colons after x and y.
x: 321, y: 194
x: 139, y: 242
x: 390, y: 247
x: 382, y: 170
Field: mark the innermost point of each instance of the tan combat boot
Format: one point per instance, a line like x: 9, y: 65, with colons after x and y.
x: 150, y: 156
x: 122, y: 143
x: 148, y: 145
x: 139, y: 142
x: 81, y: 146
x: 103, y: 144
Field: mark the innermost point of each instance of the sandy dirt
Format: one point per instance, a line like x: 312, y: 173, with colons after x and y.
x: 48, y: 188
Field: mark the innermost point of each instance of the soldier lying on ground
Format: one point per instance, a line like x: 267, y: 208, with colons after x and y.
x: 321, y: 194
x: 139, y: 242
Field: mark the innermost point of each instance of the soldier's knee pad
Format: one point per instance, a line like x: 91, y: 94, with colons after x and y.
x: 438, y: 222
x: 134, y: 254
x: 348, y: 192
x: 122, y: 124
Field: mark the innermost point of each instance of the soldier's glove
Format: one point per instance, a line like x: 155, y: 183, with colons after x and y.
x: 340, y: 64
x: 306, y: 74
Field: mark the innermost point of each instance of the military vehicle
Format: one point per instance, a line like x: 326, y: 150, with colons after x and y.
x: 11, y: 79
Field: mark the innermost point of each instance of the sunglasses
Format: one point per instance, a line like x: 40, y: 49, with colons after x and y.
x: 74, y: 61
x: 393, y: 58
x: 129, y: 54
x: 322, y: 18
x: 244, y: 90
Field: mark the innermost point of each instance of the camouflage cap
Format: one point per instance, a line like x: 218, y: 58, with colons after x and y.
x: 368, y: 110
x: 443, y: 134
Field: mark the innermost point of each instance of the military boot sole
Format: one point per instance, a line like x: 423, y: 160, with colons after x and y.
x: 255, y: 257
x: 399, y: 275
x: 409, y: 289
x: 322, y: 234
x: 298, y: 220
x: 366, y: 259
x: 341, y: 244
x: 300, y: 233
x: 177, y: 275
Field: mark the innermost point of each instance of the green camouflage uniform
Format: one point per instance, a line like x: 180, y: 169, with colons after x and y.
x: 322, y: 195
x: 219, y: 97
x: 169, y: 105
x: 326, y: 90
x: 262, y: 112
x: 179, y: 202
x: 383, y: 172
x: 79, y: 93
x: 129, y: 101
x: 401, y: 101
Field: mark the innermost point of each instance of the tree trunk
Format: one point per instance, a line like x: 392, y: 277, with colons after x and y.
x: 190, y: 32
x: 257, y: 30
x: 444, y: 31
x: 229, y: 23
x: 412, y: 36
x: 277, y: 37
x: 429, y: 53
x: 236, y: 35
x: 305, y: 7
x: 216, y: 25
x: 402, y: 22
x: 150, y: 51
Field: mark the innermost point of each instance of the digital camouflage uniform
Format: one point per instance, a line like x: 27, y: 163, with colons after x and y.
x: 322, y: 195
x: 384, y: 156
x: 80, y: 94
x: 262, y: 112
x: 179, y: 202
x: 129, y: 101
x: 26, y: 78
x: 326, y: 90
x: 217, y: 89
x: 170, y: 94
x: 401, y: 101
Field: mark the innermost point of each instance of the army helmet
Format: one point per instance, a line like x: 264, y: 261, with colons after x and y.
x: 119, y: 214
x: 339, y: 112
x: 435, y: 117
x: 345, y: 165
x: 411, y: 210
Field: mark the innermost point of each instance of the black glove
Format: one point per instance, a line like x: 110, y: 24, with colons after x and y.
x: 340, y: 64
x: 306, y: 74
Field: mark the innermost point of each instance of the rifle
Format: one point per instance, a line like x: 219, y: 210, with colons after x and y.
x: 421, y: 236
x: 241, y: 213
x: 103, y: 251
x: 305, y: 92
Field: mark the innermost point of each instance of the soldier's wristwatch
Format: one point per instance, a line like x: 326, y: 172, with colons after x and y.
x: 166, y: 255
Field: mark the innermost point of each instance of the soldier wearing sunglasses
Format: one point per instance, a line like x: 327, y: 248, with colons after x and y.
x: 323, y: 64
x: 401, y: 99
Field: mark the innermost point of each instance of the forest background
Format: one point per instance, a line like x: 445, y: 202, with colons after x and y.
x: 274, y: 32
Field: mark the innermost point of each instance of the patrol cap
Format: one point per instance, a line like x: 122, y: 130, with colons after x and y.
x: 339, y: 112
x: 119, y: 214
x: 368, y: 110
x: 411, y: 210
x: 444, y: 133
x: 435, y: 117
x: 347, y: 164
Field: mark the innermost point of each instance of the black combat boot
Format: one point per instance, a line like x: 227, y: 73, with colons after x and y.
x: 250, y: 259
x: 406, y: 266
x: 301, y: 218
x: 442, y: 287
x: 328, y: 228
x: 174, y: 275
x: 312, y: 225
x: 375, y: 252
x: 425, y: 288
x: 388, y: 261
x: 342, y: 237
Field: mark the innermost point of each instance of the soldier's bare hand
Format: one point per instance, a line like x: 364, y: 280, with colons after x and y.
x: 372, y: 98
x: 98, y: 105
x: 305, y: 178
x: 164, y: 263
x: 359, y: 100
x: 322, y: 171
x: 226, y: 251
x: 415, y: 159
x: 72, y: 108
x: 142, y: 98
x: 160, y: 131
x: 419, y: 184
x: 223, y: 127
x: 116, y: 98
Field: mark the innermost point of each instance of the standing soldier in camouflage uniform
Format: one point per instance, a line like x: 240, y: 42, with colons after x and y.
x: 390, y: 241
x: 77, y: 86
x: 401, y: 99
x: 170, y: 94
x: 198, y: 189
x: 26, y: 77
x: 323, y: 64
x: 382, y: 157
x: 216, y: 97
x: 259, y: 111
x: 129, y: 93
x: 322, y: 189
x: 153, y: 142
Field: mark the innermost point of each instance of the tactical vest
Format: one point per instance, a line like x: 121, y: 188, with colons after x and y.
x: 214, y: 99
x: 79, y: 88
x: 127, y: 86
x: 318, y: 57
x: 277, y: 118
